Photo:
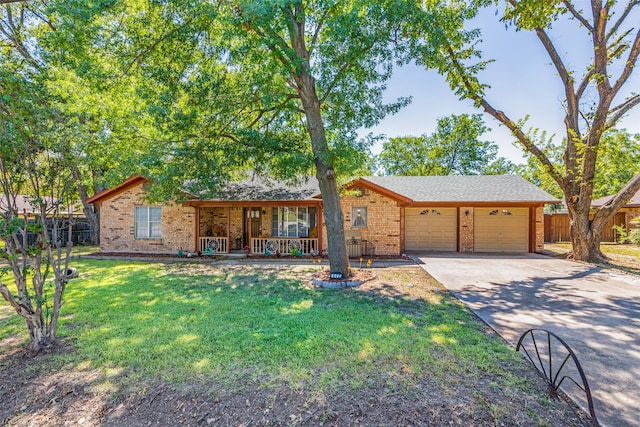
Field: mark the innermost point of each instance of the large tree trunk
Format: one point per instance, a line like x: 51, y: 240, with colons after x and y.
x: 584, y: 238
x: 333, y: 217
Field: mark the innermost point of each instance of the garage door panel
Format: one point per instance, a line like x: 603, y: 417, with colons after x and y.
x: 431, y: 229
x: 501, y: 230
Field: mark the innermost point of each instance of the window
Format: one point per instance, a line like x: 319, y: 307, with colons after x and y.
x: 294, y: 221
x: 359, y: 217
x: 148, y: 222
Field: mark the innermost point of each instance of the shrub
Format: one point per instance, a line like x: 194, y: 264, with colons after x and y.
x: 632, y: 236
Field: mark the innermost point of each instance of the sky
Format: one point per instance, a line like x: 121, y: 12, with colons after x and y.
x: 523, y: 82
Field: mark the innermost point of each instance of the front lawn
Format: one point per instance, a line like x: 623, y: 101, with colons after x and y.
x: 235, y: 344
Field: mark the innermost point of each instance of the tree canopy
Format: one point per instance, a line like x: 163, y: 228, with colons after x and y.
x: 455, y: 148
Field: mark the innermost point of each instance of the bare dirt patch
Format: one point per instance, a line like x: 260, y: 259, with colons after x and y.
x: 42, y: 391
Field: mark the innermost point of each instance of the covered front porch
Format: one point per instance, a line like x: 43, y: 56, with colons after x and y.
x: 289, y: 227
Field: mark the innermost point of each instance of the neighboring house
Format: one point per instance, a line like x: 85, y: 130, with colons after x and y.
x: 72, y: 214
x: 383, y: 216
x: 557, y: 223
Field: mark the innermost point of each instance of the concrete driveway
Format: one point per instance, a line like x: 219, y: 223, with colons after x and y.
x: 596, y: 311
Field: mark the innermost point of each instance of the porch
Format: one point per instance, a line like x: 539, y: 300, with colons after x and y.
x: 273, y: 228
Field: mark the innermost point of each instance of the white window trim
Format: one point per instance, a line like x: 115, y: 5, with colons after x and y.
x: 146, y: 224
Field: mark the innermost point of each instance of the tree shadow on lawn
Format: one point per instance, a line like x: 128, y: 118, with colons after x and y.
x: 223, y: 346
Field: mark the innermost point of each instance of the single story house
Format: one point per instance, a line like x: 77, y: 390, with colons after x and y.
x: 383, y: 216
x: 557, y: 223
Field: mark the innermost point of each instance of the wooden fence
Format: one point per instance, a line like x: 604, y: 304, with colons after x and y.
x: 556, y: 228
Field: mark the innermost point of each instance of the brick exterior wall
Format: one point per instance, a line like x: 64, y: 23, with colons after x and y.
x: 539, y: 242
x: 214, y: 221
x: 465, y: 232
x: 117, y: 225
x: 383, y: 221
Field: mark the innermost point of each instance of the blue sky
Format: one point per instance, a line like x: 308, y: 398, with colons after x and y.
x: 522, y: 79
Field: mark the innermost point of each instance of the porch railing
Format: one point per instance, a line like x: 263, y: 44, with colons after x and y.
x: 215, y: 245
x: 283, y: 244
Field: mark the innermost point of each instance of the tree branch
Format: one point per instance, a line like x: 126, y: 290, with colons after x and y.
x: 619, y: 200
x: 155, y: 44
x: 584, y: 84
x: 12, y: 35
x: 625, y: 13
x: 577, y: 15
x: 316, y: 32
x: 504, y: 119
x: 567, y: 80
x: 621, y: 110
x: 276, y: 108
x: 632, y: 59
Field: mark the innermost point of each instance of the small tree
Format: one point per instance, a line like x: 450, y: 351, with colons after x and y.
x: 30, y: 163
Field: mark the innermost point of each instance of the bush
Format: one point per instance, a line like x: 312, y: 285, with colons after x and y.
x: 633, y: 236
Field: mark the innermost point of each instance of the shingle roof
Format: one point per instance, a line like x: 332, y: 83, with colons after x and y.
x: 468, y: 188
x: 23, y: 203
x: 633, y: 203
x: 261, y: 189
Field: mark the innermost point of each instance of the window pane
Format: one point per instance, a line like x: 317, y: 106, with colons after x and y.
x: 303, y: 222
x: 274, y: 221
x: 155, y: 214
x: 148, y: 222
x: 141, y: 229
x: 282, y: 231
x: 142, y: 214
x: 155, y: 230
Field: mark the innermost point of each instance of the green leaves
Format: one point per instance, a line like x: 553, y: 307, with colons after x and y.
x: 454, y: 148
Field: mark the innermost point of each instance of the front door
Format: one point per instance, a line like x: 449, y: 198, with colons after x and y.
x: 252, y: 225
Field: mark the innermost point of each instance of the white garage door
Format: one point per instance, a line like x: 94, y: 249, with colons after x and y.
x: 501, y: 230
x: 432, y: 229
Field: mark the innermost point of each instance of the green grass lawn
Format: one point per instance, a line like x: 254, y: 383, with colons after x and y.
x: 135, y: 325
x: 160, y: 321
x: 234, y: 323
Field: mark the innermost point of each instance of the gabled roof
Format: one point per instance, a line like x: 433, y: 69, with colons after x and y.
x: 463, y: 188
x: 403, y: 189
x: 634, y: 202
x: 362, y: 182
x: 110, y: 192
